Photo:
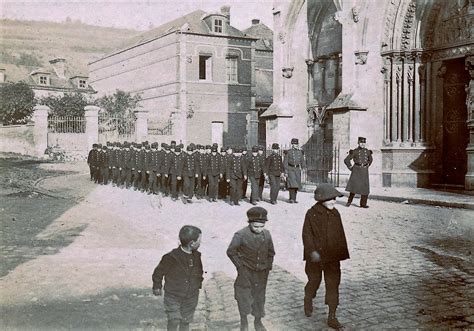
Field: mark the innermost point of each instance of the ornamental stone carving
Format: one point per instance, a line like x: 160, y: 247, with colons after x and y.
x: 361, y: 57
x: 287, y: 72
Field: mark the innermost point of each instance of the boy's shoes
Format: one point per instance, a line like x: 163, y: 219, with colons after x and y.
x: 259, y: 325
x: 253, y: 203
x: 334, y: 323
x: 308, y: 307
x: 364, y: 206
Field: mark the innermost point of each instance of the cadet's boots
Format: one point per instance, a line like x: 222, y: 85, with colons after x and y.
x: 308, y: 307
x: 244, y: 323
x: 258, y: 324
x: 332, y: 320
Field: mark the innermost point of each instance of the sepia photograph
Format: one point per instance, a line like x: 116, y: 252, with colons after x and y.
x: 225, y: 165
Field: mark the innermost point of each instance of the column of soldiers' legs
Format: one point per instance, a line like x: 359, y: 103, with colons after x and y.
x: 136, y: 179
x: 213, y: 187
x: 144, y: 181
x: 188, y: 188
x: 166, y: 184
x: 174, y: 187
x: 151, y: 183
x: 254, y: 190
x: 245, y: 184
x: 274, y: 188
x: 261, y: 185
x: 222, y: 190
x: 128, y: 178
x: 235, y: 191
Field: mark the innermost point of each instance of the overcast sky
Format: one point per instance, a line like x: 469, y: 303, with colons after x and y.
x: 136, y: 14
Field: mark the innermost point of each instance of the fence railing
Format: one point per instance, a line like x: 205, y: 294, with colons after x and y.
x: 116, y: 128
x: 322, y: 162
x: 160, y: 128
x: 66, y: 124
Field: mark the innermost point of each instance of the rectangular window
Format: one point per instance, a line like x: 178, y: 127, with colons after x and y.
x: 82, y: 83
x: 205, y: 67
x: 43, y: 80
x: 218, y: 26
x: 231, y: 69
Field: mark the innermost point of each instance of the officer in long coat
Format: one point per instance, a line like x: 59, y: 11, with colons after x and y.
x: 274, y: 170
x: 214, y: 172
x: 293, y: 163
x: 325, y: 245
x: 176, y: 171
x: 359, y: 179
x: 236, y: 173
x: 251, y: 251
x: 191, y: 173
x: 255, y: 170
x: 167, y: 160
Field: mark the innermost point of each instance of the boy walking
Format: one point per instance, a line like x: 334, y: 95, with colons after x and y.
x: 251, y: 250
x: 325, y: 246
x: 182, y: 270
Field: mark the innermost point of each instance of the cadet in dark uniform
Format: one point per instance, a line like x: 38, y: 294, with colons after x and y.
x: 201, y: 181
x: 126, y: 160
x: 236, y: 173
x: 166, y: 168
x: 114, y: 163
x: 255, y: 170
x: 176, y: 171
x: 293, y: 162
x: 245, y: 182
x: 92, y: 161
x: 261, y: 182
x: 274, y: 169
x: 251, y: 251
x: 104, y: 165
x: 190, y: 174
x: 325, y: 246
x: 214, y: 172
x: 359, y: 179
x: 223, y: 185
x: 153, y: 169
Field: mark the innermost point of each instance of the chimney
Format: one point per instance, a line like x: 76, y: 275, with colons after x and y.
x: 255, y: 21
x: 59, y: 66
x: 225, y: 10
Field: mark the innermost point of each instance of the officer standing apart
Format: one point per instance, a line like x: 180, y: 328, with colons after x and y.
x: 325, y: 245
x: 251, y: 251
x: 274, y: 169
x: 293, y: 163
x: 359, y: 180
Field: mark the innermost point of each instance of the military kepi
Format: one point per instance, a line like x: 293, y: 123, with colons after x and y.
x: 275, y: 146
x: 361, y: 140
x: 257, y: 214
x: 294, y: 141
x: 325, y: 192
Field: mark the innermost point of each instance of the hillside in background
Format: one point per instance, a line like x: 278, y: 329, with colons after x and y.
x: 34, y: 43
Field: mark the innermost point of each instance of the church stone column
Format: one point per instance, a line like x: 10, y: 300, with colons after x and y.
x: 469, y: 178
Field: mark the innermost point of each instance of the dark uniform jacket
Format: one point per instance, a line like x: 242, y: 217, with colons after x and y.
x: 176, y: 165
x: 190, y: 165
x: 201, y: 160
x: 214, y: 166
x: 114, y: 158
x: 93, y: 158
x: 274, y: 165
x: 359, y: 179
x: 103, y: 162
x: 124, y: 158
x: 323, y: 232
x: 255, y: 251
x: 256, y: 166
x: 154, y: 161
x: 167, y: 160
x: 182, y: 273
x: 133, y: 160
x: 236, y: 167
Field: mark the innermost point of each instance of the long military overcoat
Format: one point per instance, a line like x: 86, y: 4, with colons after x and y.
x: 359, y: 179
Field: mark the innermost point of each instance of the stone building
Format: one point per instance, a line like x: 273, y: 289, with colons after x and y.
x: 263, y: 72
x: 197, y: 70
x: 398, y: 72
x: 54, y: 79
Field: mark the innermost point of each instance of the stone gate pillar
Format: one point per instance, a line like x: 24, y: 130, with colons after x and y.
x: 92, y: 125
x: 141, y: 125
x: 40, y: 131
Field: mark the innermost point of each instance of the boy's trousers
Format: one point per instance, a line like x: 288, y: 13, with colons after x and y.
x: 332, y: 279
x: 178, y: 308
x: 249, y: 291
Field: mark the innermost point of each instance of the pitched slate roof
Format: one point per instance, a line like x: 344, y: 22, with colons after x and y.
x: 16, y: 73
x: 264, y: 35
x: 194, y: 22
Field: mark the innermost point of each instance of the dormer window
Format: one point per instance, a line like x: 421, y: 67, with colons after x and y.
x: 43, y: 80
x: 218, y: 27
x: 82, y: 83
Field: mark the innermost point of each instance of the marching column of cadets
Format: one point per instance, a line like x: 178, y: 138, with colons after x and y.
x: 198, y: 170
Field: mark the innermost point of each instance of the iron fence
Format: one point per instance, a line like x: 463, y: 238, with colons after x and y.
x: 66, y: 124
x: 322, y: 162
x: 116, y: 127
x: 160, y: 128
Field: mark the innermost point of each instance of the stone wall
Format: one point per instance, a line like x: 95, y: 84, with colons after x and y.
x: 17, y: 139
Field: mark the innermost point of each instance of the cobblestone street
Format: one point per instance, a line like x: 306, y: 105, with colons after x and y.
x: 411, y: 266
